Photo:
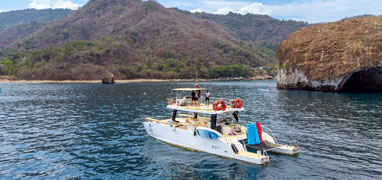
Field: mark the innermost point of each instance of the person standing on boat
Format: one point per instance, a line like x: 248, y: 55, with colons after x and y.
x: 208, y: 94
x: 193, y: 98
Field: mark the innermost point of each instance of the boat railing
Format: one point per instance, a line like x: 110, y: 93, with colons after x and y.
x: 227, y: 101
x: 273, y: 136
x: 292, y: 143
x: 242, y: 140
x: 265, y: 153
x: 241, y: 133
x: 186, y: 101
x: 271, y: 149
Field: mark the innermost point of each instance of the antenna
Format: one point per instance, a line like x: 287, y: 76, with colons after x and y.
x: 196, y: 78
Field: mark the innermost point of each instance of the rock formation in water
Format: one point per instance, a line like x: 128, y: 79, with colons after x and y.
x: 343, y: 56
x: 108, y: 78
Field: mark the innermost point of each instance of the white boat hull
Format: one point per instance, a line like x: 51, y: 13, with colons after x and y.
x: 187, y: 138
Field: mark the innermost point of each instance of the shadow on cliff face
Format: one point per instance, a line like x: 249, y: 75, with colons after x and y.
x: 369, y: 80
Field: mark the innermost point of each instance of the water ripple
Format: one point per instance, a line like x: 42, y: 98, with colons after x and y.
x: 93, y: 131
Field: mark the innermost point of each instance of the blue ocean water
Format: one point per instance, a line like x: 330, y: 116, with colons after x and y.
x: 95, y: 131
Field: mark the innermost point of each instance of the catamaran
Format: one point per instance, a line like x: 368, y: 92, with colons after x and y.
x: 214, y: 128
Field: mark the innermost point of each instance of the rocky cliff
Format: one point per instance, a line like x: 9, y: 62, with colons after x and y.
x: 339, y: 56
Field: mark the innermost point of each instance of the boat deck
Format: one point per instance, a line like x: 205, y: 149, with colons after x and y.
x: 181, y: 123
x: 184, y: 123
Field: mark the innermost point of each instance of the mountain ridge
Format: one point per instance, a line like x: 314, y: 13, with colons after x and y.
x: 141, y: 39
x: 260, y: 29
x: 18, y: 17
x: 130, y: 39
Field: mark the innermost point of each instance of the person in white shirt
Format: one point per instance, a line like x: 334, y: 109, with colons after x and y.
x: 208, y: 94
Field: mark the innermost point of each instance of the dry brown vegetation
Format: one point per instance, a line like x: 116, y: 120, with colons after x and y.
x: 331, y: 50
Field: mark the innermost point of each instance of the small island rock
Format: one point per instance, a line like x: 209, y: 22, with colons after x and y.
x: 108, y: 78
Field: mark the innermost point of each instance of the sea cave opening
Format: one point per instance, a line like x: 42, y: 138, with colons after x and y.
x: 364, y: 81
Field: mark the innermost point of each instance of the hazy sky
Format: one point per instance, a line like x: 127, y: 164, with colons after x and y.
x: 304, y: 10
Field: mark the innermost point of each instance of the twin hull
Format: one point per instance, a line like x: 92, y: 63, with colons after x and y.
x: 187, y: 139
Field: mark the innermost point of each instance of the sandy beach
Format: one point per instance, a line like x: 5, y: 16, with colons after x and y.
x: 85, y: 81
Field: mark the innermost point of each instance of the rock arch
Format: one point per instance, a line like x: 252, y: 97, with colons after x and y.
x: 366, y: 80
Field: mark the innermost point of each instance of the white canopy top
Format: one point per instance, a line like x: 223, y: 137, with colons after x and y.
x: 188, y: 89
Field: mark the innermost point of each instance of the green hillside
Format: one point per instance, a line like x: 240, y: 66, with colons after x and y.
x: 131, y: 39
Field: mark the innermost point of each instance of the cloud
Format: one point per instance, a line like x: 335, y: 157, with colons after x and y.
x: 224, y: 11
x: 254, y: 8
x: 220, y: 6
x: 53, y: 4
x: 196, y: 10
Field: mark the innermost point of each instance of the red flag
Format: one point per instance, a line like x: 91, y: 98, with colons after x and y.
x: 259, y: 131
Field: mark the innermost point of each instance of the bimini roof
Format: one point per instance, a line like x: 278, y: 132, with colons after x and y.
x: 188, y: 89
